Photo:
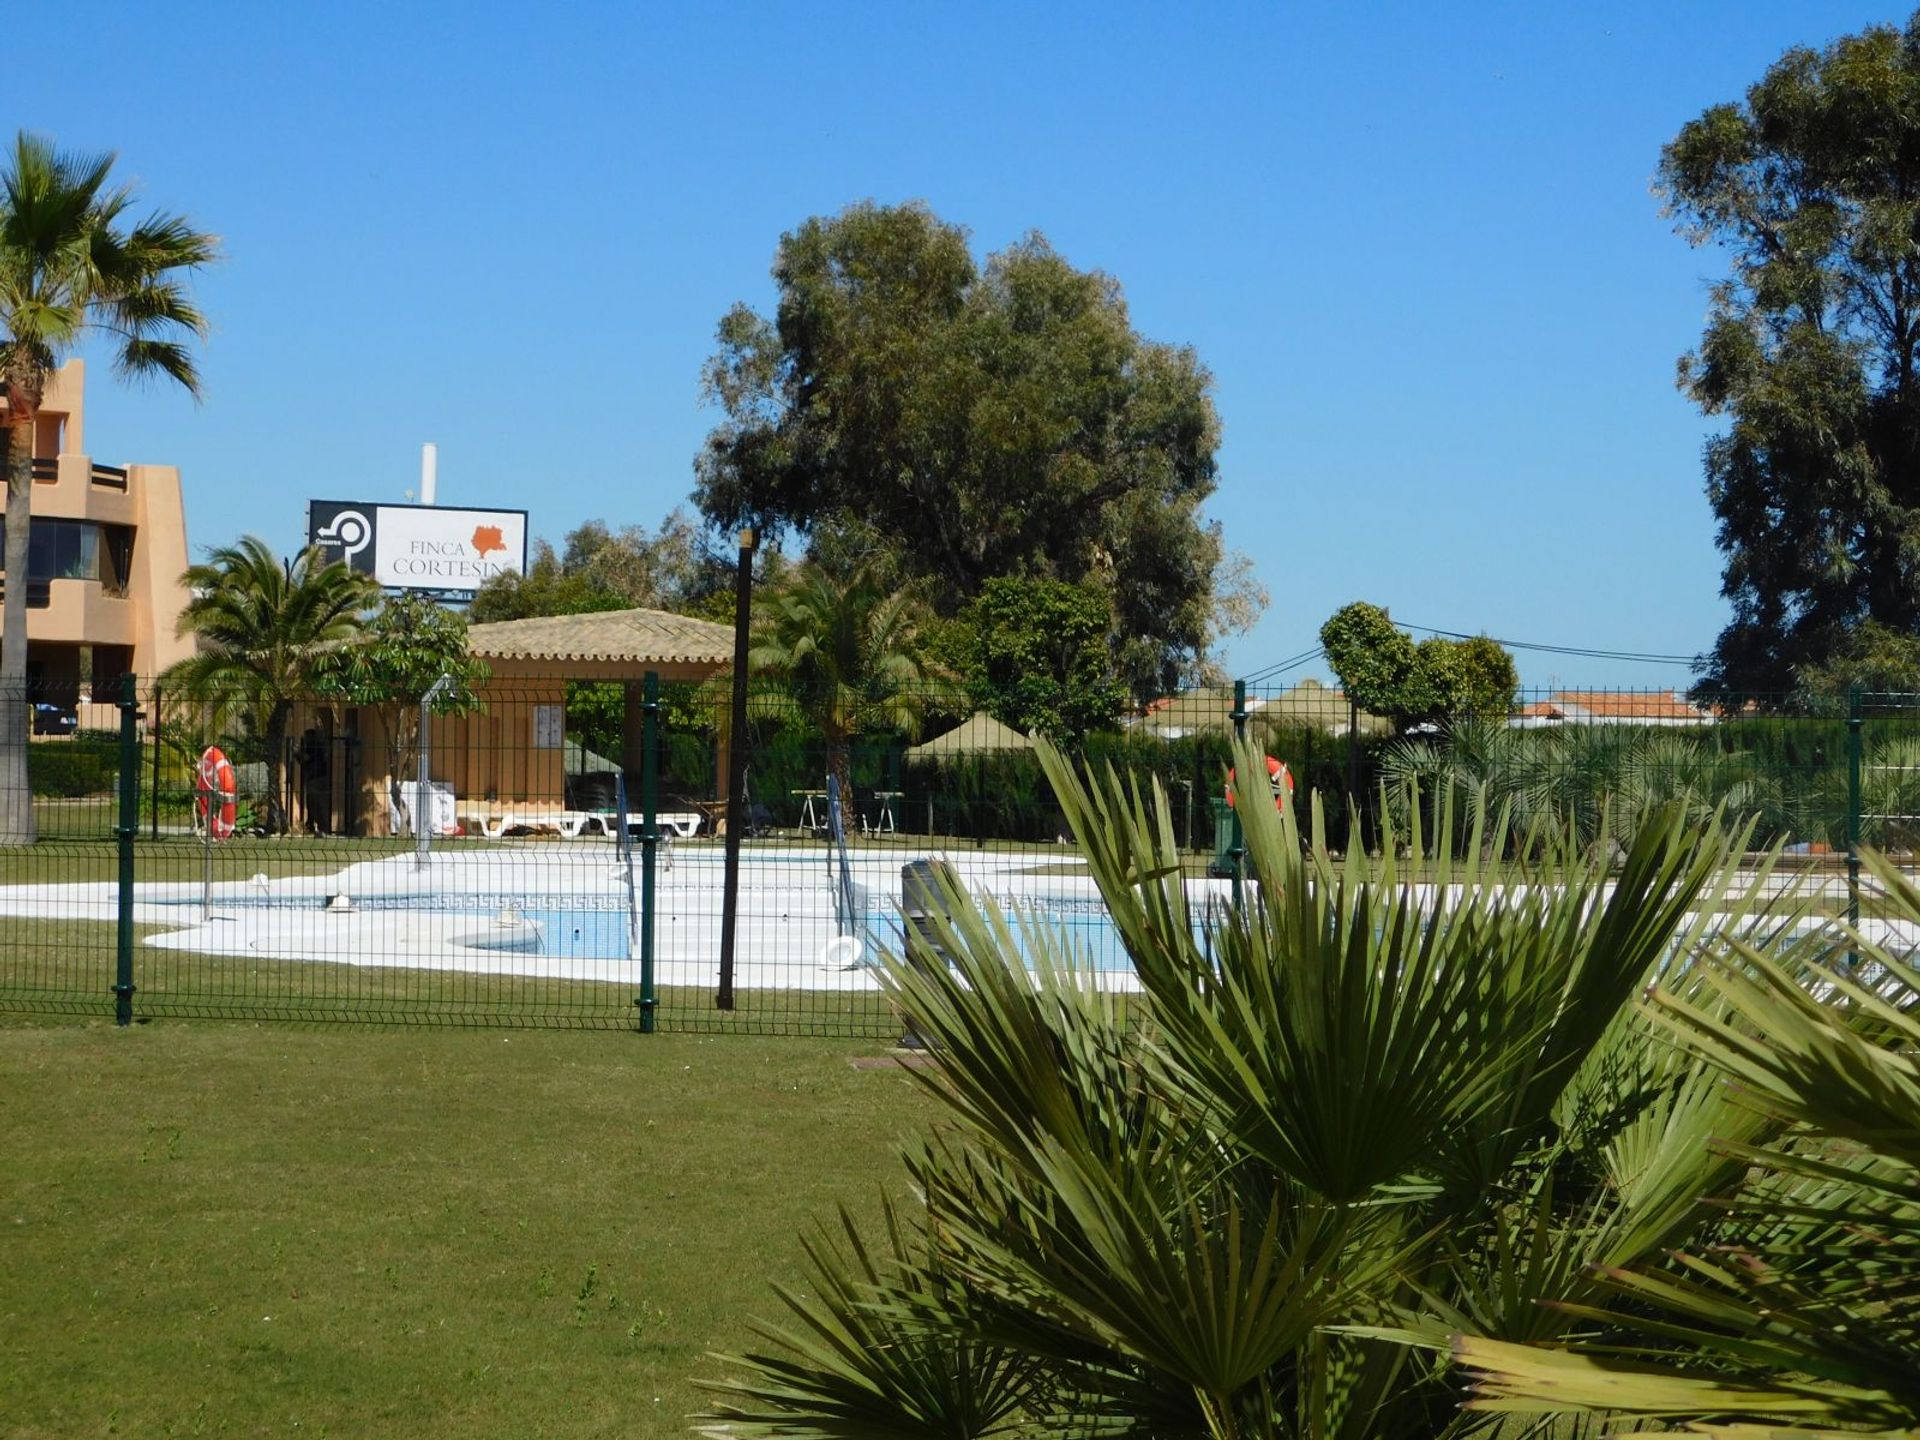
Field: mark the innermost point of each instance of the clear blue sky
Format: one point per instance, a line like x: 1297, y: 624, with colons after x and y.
x: 1414, y: 243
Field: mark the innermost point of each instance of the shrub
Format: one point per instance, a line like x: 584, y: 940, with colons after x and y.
x: 68, y: 768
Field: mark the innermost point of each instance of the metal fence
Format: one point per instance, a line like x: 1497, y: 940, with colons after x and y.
x: 565, y: 861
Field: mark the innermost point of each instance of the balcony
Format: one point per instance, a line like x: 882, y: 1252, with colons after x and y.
x: 39, y: 593
x: 70, y: 611
x: 46, y: 471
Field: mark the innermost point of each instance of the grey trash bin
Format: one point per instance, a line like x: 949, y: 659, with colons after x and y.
x: 922, y: 901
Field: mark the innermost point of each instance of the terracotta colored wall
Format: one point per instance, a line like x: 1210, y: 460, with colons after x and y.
x: 81, y: 612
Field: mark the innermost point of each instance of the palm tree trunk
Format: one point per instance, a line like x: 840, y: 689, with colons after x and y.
x: 839, y: 765
x: 16, y: 791
x: 277, y: 767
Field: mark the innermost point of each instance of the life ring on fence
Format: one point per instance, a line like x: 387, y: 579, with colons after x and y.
x: 1278, y: 776
x: 214, y: 788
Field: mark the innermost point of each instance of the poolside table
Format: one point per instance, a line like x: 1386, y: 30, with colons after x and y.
x: 809, y: 817
x: 882, y: 813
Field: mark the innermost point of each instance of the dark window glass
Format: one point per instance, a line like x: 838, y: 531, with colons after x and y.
x: 116, y: 558
x: 73, y: 550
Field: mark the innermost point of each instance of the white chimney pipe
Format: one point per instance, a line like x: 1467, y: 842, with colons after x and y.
x: 429, y: 472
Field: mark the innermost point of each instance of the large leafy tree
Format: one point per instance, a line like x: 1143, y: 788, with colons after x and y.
x: 982, y: 420
x: 1333, y: 1121
x: 1811, y: 352
x: 851, y: 651
x: 268, y: 629
x: 1035, y: 656
x: 72, y: 260
x: 1441, y: 679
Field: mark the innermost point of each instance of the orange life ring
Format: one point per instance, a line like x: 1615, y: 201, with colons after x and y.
x: 1278, y: 776
x: 215, y: 786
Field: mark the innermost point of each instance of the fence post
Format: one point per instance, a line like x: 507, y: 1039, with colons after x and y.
x: 1239, y: 848
x: 1855, y: 724
x: 153, y: 800
x: 649, y: 838
x: 128, y: 827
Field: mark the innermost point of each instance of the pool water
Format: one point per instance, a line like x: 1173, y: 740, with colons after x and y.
x: 595, y: 927
x: 576, y: 934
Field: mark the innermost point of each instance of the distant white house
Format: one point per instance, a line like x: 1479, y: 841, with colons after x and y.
x: 1611, y: 707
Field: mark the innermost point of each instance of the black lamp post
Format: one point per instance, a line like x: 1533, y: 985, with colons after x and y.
x: 736, y: 766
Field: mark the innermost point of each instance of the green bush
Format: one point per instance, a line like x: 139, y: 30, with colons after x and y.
x: 69, y: 767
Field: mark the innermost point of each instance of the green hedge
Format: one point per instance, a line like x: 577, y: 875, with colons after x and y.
x: 73, y: 767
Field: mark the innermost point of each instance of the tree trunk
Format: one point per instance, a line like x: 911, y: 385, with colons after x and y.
x: 839, y: 766
x: 16, y: 791
x: 276, y: 818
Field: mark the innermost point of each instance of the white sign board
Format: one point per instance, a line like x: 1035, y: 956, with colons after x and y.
x: 430, y: 548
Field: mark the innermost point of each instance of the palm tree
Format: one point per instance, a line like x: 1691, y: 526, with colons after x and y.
x: 267, y: 629
x: 849, y: 651
x: 1348, y: 1116
x: 70, y: 263
x: 1585, y: 776
x: 1804, y: 1318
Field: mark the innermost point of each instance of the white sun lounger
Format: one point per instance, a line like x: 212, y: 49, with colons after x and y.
x: 568, y: 823
x: 685, y: 824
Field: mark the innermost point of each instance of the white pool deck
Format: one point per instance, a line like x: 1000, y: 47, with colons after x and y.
x: 461, y: 912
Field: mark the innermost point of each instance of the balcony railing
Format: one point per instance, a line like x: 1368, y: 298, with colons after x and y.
x: 39, y: 593
x: 46, y: 471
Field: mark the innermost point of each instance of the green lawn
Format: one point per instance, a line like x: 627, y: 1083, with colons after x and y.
x: 227, y: 1229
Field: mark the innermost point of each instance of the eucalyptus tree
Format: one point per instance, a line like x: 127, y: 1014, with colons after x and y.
x: 979, y: 419
x: 1810, y: 360
x: 268, y: 630
x: 1366, y: 1110
x: 73, y: 261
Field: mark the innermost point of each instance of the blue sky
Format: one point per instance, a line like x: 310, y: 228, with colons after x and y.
x: 1415, y: 244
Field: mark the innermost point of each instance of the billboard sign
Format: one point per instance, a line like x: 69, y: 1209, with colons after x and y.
x: 433, y: 549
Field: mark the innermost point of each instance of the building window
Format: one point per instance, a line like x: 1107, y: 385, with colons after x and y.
x: 116, y: 558
x: 77, y: 550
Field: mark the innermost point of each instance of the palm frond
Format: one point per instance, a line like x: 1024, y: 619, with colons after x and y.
x: 854, y: 1363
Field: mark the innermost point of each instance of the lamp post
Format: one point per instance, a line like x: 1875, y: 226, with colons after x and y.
x: 736, y: 766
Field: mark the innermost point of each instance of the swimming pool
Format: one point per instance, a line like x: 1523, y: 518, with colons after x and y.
x: 561, y: 911
x: 564, y: 927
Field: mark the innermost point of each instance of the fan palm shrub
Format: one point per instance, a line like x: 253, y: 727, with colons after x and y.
x: 1588, y: 777
x: 1372, y: 1106
x: 1804, y: 1317
x: 1889, y: 796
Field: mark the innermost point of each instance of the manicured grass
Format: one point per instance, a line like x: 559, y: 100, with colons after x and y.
x: 234, y: 1229
x: 53, y: 966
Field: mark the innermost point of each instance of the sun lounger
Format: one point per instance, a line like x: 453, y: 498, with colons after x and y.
x: 495, y: 824
x: 685, y: 824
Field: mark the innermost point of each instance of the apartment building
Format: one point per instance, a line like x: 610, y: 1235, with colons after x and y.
x: 108, y: 545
